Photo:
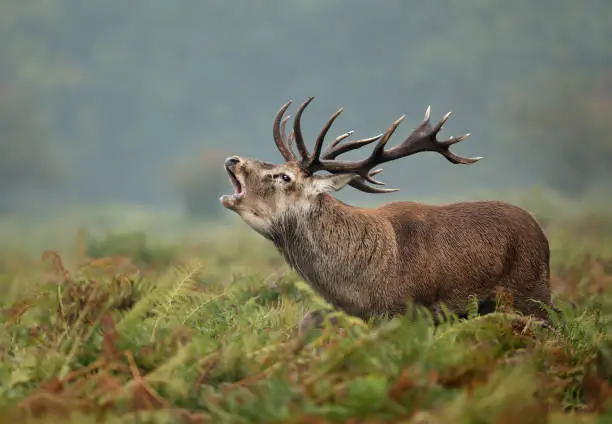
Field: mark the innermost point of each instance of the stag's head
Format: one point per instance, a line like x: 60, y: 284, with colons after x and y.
x: 265, y: 192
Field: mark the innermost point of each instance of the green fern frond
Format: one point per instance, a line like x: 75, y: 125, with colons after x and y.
x: 472, y: 307
x: 170, y: 292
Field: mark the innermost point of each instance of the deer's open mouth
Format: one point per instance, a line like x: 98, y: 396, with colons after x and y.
x: 236, y: 183
x: 229, y: 200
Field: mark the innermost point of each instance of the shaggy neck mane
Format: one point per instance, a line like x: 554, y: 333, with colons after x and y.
x: 332, y: 241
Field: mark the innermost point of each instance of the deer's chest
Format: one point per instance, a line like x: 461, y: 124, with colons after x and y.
x: 343, y: 288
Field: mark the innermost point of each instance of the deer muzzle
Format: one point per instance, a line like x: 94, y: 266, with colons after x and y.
x: 230, y: 200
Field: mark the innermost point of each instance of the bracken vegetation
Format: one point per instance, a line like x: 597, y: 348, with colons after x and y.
x: 208, y: 333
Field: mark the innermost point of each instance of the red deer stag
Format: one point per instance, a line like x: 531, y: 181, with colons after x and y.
x: 372, y: 262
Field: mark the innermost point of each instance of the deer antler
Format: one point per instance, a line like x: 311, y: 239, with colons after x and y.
x: 423, y: 138
x: 278, y: 132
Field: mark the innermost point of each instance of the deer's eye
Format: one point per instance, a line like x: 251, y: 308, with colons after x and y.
x: 286, y: 178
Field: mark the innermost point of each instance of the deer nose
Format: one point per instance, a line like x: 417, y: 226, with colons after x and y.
x: 232, y: 161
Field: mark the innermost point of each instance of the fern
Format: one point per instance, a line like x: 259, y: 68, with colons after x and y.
x: 183, y: 293
x: 173, y: 291
x: 472, y: 307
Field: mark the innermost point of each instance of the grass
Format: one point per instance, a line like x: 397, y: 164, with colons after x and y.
x: 124, y: 329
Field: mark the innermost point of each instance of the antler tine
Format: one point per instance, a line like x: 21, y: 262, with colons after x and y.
x: 314, y: 159
x: 283, y: 125
x: 379, y: 150
x: 342, y: 137
x: 334, y: 150
x: 297, y: 131
x: 360, y: 185
x: 288, y: 140
x: 314, y: 164
x: 278, y: 132
x: 371, y: 175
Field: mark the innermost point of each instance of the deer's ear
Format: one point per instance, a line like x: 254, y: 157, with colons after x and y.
x: 334, y: 182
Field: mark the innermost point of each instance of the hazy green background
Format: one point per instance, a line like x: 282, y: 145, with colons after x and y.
x: 137, y: 102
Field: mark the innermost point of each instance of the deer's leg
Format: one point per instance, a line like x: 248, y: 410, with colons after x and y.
x: 524, y: 302
x: 528, y: 283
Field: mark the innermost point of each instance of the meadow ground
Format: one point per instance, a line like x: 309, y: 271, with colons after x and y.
x: 124, y: 328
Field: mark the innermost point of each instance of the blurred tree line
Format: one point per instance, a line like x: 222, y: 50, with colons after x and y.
x: 101, y: 100
x: 24, y: 163
x: 568, y: 124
